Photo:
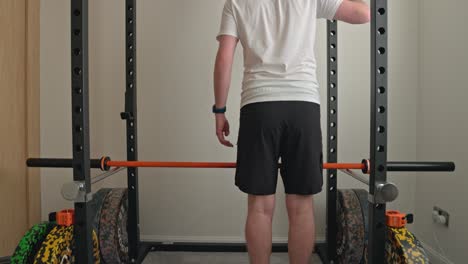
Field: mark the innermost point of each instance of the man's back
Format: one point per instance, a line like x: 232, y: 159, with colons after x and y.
x: 278, y: 37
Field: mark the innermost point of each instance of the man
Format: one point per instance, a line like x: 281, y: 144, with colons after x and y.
x: 280, y: 111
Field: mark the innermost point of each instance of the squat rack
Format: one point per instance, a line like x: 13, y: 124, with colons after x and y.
x: 81, y: 163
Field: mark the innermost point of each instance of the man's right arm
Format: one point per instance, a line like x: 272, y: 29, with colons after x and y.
x: 353, y: 12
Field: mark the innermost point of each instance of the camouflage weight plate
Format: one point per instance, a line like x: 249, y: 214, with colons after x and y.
x: 58, y: 245
x: 122, y: 229
x: 112, y: 229
x: 403, y: 247
x: 350, y: 240
x: 30, y: 244
x: 363, y: 201
x: 96, y: 206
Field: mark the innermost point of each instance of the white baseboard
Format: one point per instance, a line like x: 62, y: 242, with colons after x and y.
x: 208, y: 239
x: 434, y: 256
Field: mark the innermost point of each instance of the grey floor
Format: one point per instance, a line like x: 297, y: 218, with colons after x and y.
x: 212, y: 258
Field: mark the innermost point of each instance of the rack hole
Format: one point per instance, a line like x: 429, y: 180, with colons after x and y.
x: 380, y: 148
x: 381, y: 129
x: 131, y: 124
x: 332, y: 85
x: 333, y: 33
x: 381, y: 11
x: 381, y: 89
x: 130, y: 59
x: 332, y: 111
x: 332, y: 176
x: 78, y: 129
x: 332, y: 59
x: 78, y: 109
x: 333, y: 46
x: 78, y: 90
x: 333, y: 98
x: 381, y: 109
x: 381, y: 168
x: 130, y: 34
x: 77, y: 71
x: 130, y: 21
x: 381, y: 31
x: 132, y: 174
x: 381, y: 70
x: 77, y: 12
x: 77, y: 32
x: 131, y: 73
x: 79, y: 148
x: 332, y: 124
x: 381, y: 50
x: 332, y: 138
x: 130, y: 86
x: 332, y: 188
x: 130, y: 8
x: 130, y: 47
x: 77, y: 52
x: 132, y: 136
x: 333, y: 72
x: 332, y: 150
x: 132, y: 149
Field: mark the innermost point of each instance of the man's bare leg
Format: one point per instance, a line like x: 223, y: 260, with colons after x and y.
x: 301, y: 228
x: 258, y: 228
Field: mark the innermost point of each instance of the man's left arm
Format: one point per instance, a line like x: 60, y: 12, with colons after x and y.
x: 222, y: 81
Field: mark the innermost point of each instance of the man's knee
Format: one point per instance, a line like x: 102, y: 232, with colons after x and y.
x: 262, y: 204
x: 299, y: 204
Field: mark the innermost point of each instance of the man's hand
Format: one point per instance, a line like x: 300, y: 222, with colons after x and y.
x: 222, y: 130
x: 353, y: 12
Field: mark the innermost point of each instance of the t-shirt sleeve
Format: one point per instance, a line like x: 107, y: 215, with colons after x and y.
x: 327, y: 8
x: 228, y: 21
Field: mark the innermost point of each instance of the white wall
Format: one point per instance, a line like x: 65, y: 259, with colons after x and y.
x: 176, y: 50
x: 443, y: 127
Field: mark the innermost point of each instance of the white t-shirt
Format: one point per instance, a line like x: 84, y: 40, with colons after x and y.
x: 278, y: 37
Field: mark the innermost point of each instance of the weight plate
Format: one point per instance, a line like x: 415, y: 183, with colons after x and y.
x: 67, y: 255
x: 122, y: 229
x: 350, y: 240
x: 49, y: 251
x: 58, y: 247
x: 30, y: 244
x: 363, y: 195
x: 112, y: 244
x: 403, y: 247
x: 96, y: 206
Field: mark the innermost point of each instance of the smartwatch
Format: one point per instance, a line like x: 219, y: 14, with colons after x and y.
x: 219, y: 110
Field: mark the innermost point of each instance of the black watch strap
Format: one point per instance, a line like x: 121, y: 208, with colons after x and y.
x: 219, y: 110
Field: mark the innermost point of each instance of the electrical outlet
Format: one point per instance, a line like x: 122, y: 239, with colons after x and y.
x: 440, y: 216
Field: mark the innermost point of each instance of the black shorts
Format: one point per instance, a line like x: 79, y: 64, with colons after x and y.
x: 289, y: 130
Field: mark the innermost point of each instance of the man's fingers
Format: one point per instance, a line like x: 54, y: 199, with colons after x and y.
x: 222, y: 140
x: 226, y: 129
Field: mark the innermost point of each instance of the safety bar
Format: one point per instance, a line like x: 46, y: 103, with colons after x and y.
x: 420, y: 166
x: 58, y: 163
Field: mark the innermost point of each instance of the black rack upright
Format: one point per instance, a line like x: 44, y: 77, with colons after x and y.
x: 379, y: 128
x: 130, y: 115
x: 80, y: 128
x: 332, y: 136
